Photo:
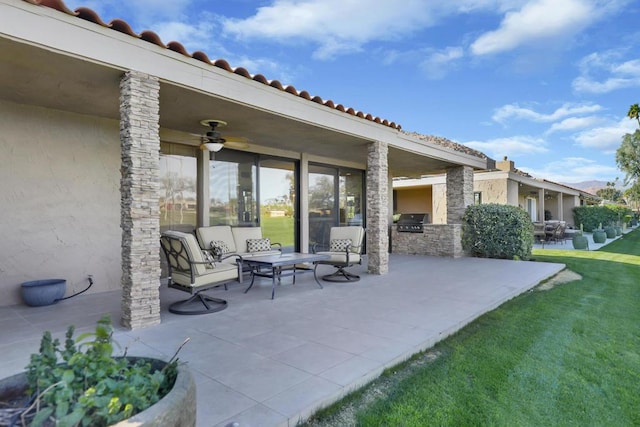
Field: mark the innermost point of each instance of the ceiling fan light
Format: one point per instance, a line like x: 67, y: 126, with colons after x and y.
x: 213, y: 146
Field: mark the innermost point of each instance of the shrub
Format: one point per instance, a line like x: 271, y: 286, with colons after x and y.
x: 497, y: 231
x: 591, y: 216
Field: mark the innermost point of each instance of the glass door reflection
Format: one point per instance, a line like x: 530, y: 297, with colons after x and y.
x: 278, y: 202
x: 323, y: 212
x: 232, y: 189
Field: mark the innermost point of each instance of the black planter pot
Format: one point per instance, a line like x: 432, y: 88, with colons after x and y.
x: 177, y: 408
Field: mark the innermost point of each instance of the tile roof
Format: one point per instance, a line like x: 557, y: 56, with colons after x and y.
x: 151, y: 37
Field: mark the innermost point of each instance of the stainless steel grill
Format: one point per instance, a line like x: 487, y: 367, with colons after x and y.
x: 412, y: 222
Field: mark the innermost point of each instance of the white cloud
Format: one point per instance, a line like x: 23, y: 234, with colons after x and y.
x: 192, y: 37
x: 337, y: 26
x: 613, y: 72
x: 575, y: 123
x: 606, y: 138
x: 573, y: 170
x: 438, y: 63
x: 513, y: 146
x: 515, y: 111
x: 343, y: 26
x: 537, y: 20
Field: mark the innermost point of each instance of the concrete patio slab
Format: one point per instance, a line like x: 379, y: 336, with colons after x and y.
x: 264, y: 362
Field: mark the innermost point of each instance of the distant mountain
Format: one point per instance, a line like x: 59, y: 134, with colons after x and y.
x: 588, y: 186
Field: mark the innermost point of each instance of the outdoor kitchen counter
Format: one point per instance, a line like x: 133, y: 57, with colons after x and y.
x: 434, y: 240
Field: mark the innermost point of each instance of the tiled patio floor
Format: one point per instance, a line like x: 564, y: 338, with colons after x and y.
x: 270, y: 363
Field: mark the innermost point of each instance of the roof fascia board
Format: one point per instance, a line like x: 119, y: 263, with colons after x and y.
x: 35, y: 25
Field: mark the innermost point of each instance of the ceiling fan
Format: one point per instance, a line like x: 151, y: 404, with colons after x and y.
x: 212, y: 140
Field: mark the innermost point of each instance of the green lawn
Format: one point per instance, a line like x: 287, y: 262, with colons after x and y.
x: 279, y: 229
x: 565, y: 356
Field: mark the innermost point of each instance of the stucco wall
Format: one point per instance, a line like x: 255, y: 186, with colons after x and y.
x: 415, y: 200
x: 493, y: 190
x: 439, y: 204
x: 60, y: 200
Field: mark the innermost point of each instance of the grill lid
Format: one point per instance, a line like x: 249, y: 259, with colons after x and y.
x: 413, y: 219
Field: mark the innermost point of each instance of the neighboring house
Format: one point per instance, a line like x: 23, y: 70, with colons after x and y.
x: 504, y: 185
x: 99, y: 156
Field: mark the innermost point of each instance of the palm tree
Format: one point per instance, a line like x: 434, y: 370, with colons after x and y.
x: 634, y: 113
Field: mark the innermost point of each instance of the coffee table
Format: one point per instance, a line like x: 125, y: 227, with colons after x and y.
x: 282, y: 265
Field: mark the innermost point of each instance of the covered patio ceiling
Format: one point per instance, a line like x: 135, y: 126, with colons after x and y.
x: 38, y: 76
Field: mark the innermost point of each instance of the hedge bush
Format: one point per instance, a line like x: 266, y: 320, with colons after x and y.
x: 497, y: 231
x: 592, y: 216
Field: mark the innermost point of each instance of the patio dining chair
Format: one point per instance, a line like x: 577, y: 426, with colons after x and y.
x: 556, y: 233
x: 193, y: 270
x: 345, y: 250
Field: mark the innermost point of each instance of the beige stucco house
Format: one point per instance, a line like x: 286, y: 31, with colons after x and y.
x: 503, y: 185
x: 101, y: 152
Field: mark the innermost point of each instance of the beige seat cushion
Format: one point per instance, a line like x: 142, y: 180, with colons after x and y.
x: 241, y: 234
x: 340, y: 257
x: 354, y: 233
x: 222, y: 272
x: 206, y: 235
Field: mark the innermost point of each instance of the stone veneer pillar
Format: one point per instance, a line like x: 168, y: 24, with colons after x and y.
x: 459, y: 192
x: 140, y: 206
x: 377, y: 208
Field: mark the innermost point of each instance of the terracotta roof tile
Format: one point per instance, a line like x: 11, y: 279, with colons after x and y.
x: 151, y: 37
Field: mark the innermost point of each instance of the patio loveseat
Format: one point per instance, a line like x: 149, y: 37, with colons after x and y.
x: 246, y: 242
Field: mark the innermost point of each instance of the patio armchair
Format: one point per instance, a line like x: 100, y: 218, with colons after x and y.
x: 193, y: 270
x: 345, y: 250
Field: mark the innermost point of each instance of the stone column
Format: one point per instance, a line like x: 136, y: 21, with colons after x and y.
x: 459, y: 192
x: 377, y: 208
x: 140, y: 199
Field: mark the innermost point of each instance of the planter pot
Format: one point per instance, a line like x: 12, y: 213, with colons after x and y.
x: 618, y: 231
x: 599, y: 236
x: 611, y: 232
x: 177, y: 408
x: 43, y: 292
x: 580, y: 242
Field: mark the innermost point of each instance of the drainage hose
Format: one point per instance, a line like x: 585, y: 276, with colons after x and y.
x: 78, y: 293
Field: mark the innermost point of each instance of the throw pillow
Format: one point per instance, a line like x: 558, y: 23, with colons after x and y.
x: 339, y: 245
x: 219, y: 247
x: 209, y: 259
x: 258, y: 245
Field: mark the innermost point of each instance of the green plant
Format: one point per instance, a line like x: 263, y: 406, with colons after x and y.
x: 92, y: 387
x: 590, y: 216
x: 497, y: 231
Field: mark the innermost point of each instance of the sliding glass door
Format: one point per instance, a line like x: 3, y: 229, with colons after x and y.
x: 278, y: 201
x: 178, y: 205
x: 251, y: 190
x: 323, y: 208
x: 336, y: 198
x: 232, y: 189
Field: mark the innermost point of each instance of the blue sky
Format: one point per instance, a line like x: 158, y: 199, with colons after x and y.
x: 547, y: 83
